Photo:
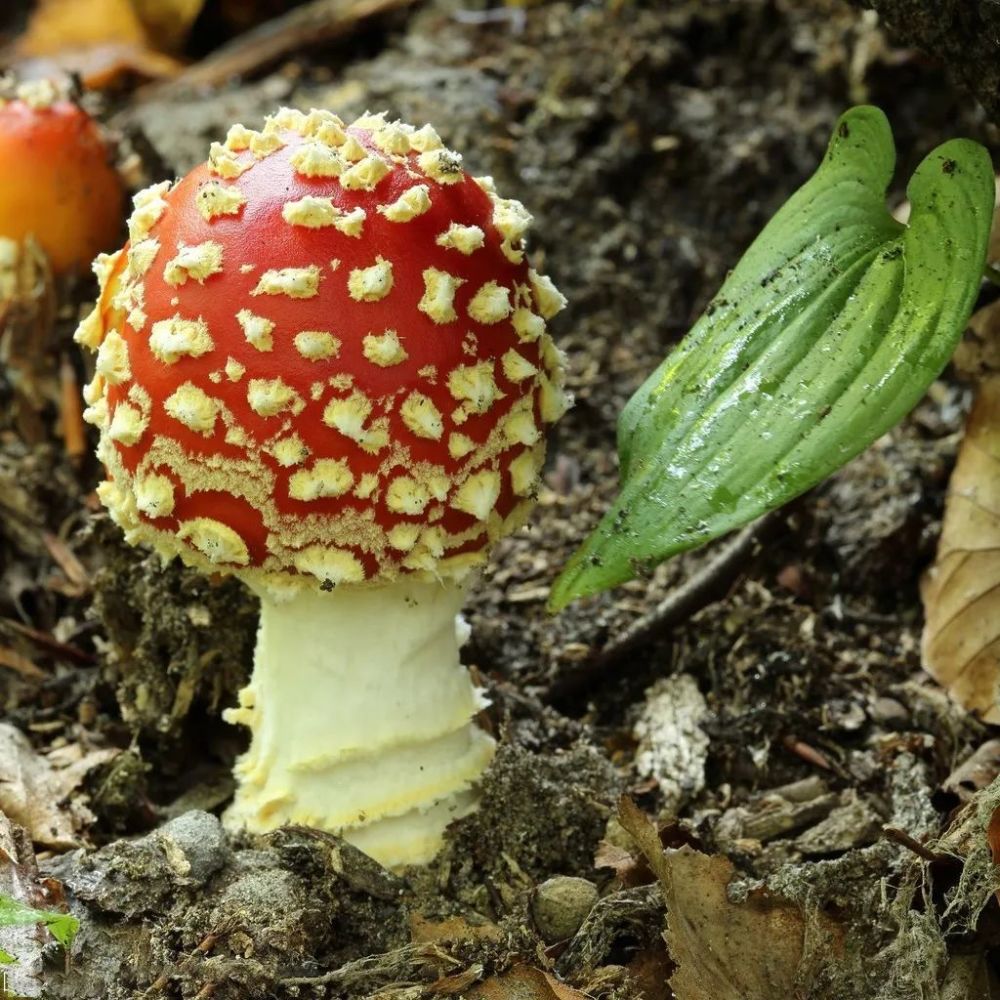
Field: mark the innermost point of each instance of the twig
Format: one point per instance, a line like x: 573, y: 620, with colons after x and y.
x: 314, y: 23
x: 902, y: 838
x: 48, y: 642
x: 73, y: 432
x: 708, y: 584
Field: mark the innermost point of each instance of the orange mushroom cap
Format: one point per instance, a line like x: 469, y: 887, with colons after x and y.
x: 57, y: 182
x: 322, y: 356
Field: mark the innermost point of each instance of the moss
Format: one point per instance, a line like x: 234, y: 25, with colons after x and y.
x: 540, y: 815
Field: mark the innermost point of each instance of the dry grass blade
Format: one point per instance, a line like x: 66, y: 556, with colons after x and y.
x: 20, y: 664
x: 67, y: 561
x: 74, y: 433
x: 48, y: 642
x: 961, y: 591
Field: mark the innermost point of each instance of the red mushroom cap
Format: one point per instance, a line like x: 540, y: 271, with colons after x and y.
x: 323, y: 355
x: 57, y: 181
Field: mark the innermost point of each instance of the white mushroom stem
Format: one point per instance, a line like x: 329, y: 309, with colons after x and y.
x: 362, y: 718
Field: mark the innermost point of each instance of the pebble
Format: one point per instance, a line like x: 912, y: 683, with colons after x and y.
x: 560, y: 906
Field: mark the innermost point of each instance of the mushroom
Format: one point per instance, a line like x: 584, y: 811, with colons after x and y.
x: 57, y: 181
x: 323, y: 366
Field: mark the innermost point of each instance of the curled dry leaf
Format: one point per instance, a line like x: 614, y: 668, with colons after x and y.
x: 714, y: 943
x: 961, y: 591
x: 38, y: 792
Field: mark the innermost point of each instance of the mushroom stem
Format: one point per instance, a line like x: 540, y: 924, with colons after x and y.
x: 362, y: 718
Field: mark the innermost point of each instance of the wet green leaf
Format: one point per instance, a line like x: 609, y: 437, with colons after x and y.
x: 62, y: 926
x: 827, y: 332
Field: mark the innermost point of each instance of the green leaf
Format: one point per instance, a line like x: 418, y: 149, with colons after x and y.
x: 62, y: 926
x: 6, y: 958
x: 827, y: 332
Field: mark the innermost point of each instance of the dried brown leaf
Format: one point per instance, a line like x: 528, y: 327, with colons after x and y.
x: 733, y: 951
x: 629, y: 870
x: 524, y: 982
x: 975, y: 772
x: 424, y: 931
x: 38, y: 792
x: 449, y: 986
x: 168, y: 21
x: 643, y: 831
x: 651, y: 970
x: 961, y: 591
x: 104, y: 39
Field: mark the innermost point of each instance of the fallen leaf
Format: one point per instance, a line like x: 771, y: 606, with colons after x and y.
x: 37, y: 792
x: 651, y: 970
x: 524, y: 982
x: 975, y: 772
x: 424, y: 931
x: 101, y: 67
x: 961, y: 591
x: 60, y: 25
x: 978, y: 352
x: 101, y: 40
x: 449, y: 986
x: 734, y: 951
x: 168, y: 21
x: 629, y: 870
x: 643, y: 831
x: 638, y: 866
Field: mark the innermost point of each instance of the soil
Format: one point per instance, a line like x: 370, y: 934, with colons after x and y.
x: 651, y: 142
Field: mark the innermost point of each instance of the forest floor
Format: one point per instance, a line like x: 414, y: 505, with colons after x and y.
x: 783, y: 740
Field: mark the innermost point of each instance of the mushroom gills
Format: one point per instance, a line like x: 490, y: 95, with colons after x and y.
x: 361, y: 717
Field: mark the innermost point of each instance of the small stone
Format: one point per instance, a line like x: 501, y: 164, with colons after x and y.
x: 197, y: 842
x: 889, y: 712
x: 560, y: 906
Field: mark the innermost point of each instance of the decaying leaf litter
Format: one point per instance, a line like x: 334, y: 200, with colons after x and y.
x: 651, y: 144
